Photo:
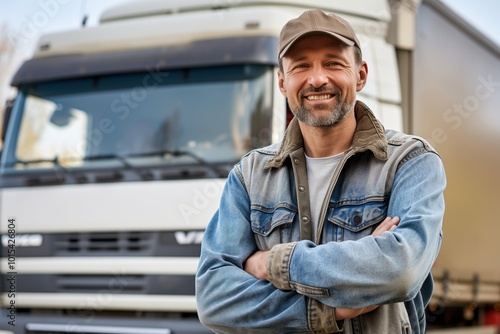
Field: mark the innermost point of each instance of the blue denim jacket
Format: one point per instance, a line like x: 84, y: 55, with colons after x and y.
x: 265, y: 206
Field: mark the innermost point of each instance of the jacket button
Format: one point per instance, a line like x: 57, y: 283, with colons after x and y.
x: 296, y: 161
x: 268, y: 224
x: 357, y: 219
x: 301, y: 189
x: 305, y: 219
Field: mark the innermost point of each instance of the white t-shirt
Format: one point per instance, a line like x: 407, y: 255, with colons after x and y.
x: 319, y: 175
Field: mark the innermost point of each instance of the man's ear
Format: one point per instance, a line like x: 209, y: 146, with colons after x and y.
x: 281, y: 82
x: 362, y: 76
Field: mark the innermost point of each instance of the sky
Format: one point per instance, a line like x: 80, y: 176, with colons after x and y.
x: 28, y: 19
x: 483, y: 14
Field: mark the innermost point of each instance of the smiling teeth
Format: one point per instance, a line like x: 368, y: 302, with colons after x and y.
x: 318, y: 97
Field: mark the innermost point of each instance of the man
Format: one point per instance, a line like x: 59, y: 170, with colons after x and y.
x: 303, y: 241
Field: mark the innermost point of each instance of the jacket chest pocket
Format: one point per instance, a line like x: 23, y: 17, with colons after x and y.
x: 352, y: 222
x: 271, y: 226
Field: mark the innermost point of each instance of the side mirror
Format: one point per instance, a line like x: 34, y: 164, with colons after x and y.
x: 61, y: 116
x: 6, y: 117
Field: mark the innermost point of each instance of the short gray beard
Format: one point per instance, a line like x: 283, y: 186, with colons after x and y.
x: 337, y: 113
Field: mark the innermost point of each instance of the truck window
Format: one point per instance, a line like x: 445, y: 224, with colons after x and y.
x: 216, y: 114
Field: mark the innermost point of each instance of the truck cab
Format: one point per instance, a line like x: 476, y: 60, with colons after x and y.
x: 117, y: 148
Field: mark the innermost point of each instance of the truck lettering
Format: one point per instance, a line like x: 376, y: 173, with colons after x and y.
x: 189, y: 238
x: 22, y: 240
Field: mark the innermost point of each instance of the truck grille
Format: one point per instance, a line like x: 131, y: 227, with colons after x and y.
x: 99, y: 283
x: 122, y: 243
x: 124, y: 284
x: 96, y: 284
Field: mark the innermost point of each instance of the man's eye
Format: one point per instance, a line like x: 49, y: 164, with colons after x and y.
x: 334, y: 64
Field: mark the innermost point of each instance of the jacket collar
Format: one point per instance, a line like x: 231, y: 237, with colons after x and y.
x: 369, y: 135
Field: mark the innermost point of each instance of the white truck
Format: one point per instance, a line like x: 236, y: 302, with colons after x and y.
x: 118, y: 143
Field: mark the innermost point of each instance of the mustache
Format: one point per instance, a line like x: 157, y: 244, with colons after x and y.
x: 322, y: 89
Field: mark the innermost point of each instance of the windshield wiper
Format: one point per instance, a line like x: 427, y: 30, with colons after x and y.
x: 179, y: 153
x: 60, y: 171
x: 119, y: 157
x: 142, y: 172
x: 123, y: 159
x: 55, y: 160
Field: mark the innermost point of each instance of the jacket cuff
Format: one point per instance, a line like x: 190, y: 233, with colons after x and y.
x: 278, y: 265
x: 321, y: 318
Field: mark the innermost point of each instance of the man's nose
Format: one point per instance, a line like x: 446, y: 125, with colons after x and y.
x: 317, y: 78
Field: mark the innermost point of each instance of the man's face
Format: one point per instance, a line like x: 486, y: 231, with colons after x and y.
x: 320, y: 79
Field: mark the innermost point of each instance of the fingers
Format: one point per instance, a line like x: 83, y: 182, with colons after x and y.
x: 346, y: 313
x: 349, y: 313
x: 389, y: 224
x: 370, y: 308
x: 256, y: 264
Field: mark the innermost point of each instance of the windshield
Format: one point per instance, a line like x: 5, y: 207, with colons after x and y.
x: 213, y: 115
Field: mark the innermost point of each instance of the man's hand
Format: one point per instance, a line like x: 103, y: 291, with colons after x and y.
x: 256, y: 264
x: 349, y: 313
x: 387, y: 225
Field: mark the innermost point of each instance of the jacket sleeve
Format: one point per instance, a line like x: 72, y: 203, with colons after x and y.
x: 229, y: 300
x: 373, y: 270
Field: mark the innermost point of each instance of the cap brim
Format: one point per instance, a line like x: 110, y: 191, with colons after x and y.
x: 337, y: 36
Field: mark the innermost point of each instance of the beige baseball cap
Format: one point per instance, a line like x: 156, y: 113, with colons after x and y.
x: 316, y: 21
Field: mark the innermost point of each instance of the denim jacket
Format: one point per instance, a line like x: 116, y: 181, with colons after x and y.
x: 265, y: 206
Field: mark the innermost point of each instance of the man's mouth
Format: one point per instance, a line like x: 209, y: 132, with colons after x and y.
x: 319, y: 97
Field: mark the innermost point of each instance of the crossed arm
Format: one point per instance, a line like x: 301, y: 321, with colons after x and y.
x: 256, y: 265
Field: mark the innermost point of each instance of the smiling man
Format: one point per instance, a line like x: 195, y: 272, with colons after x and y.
x: 335, y: 229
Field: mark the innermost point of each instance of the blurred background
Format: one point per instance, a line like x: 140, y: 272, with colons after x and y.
x: 126, y: 151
